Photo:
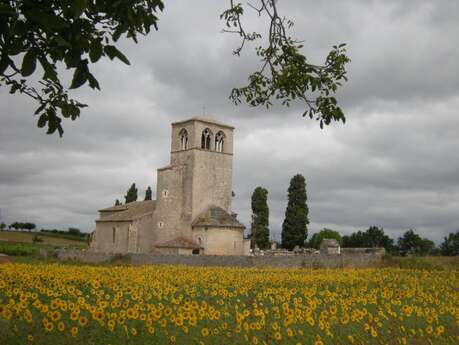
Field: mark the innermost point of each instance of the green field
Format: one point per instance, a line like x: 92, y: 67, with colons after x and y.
x: 21, y: 244
x: 48, y: 239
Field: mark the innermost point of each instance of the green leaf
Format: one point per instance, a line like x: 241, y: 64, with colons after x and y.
x: 6, y: 9
x: 80, y: 76
x: 95, y: 51
x: 40, y: 108
x: 42, y: 120
x: 93, y: 83
x: 66, y: 110
x: 50, y: 72
x: 61, y: 42
x: 54, y: 122
x: 3, y: 63
x: 29, y: 63
x: 47, y: 21
x: 79, y: 6
x: 113, y: 52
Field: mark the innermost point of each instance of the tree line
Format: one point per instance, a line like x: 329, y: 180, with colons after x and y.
x: 19, y: 226
x: 295, y: 230
x: 72, y: 232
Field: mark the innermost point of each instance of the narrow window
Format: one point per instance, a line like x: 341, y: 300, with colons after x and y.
x: 205, y: 139
x: 219, y: 140
x: 183, y: 139
x: 114, y: 234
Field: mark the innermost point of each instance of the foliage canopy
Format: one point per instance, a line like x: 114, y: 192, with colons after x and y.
x: 131, y: 194
x: 412, y: 244
x: 72, y: 34
x: 294, y: 227
x: 260, y: 217
x: 148, y: 193
x: 373, y: 237
x: 317, y: 238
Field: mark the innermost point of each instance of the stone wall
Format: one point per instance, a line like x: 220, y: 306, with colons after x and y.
x: 360, y: 258
x: 220, y: 240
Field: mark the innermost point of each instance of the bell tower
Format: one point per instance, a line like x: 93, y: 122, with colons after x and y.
x: 205, y: 147
x: 199, y: 175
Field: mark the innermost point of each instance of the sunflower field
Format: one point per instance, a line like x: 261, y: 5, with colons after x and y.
x: 69, y: 304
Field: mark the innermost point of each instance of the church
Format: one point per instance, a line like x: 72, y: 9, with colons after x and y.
x: 192, y: 211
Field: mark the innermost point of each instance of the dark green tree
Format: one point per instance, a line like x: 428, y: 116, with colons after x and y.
x: 52, y: 35
x: 294, y: 227
x: 131, y: 194
x: 148, y: 193
x: 260, y: 218
x: 16, y: 225
x: 316, y: 239
x: 373, y: 237
x: 450, y: 245
x: 2, y: 226
x: 117, y: 202
x: 74, y: 231
x: 28, y: 226
x: 412, y: 244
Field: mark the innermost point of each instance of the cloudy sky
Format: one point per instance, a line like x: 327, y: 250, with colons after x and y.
x: 395, y: 163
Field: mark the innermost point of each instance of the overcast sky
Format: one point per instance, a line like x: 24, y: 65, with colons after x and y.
x: 394, y: 164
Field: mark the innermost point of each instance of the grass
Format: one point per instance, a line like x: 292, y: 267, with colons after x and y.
x: 21, y: 246
x: 66, y: 235
x: 19, y: 249
x: 423, y: 262
x: 48, y: 239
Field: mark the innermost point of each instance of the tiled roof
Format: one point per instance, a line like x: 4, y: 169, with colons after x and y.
x: 178, y: 242
x: 216, y: 216
x: 127, y: 212
x: 114, y: 208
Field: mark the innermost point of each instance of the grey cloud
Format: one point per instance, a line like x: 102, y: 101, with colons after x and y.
x: 393, y: 164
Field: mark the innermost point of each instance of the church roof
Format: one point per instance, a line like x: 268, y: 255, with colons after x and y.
x: 203, y: 119
x: 127, y: 212
x: 179, y: 242
x: 216, y: 216
x: 114, y: 208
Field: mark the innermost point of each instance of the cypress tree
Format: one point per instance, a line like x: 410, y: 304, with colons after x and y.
x: 131, y: 194
x: 294, y: 227
x: 260, y: 218
x: 148, y: 193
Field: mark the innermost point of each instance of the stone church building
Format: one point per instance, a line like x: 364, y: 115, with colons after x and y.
x: 192, y: 211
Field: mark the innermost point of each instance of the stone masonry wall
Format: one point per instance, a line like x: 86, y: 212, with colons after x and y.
x: 358, y: 259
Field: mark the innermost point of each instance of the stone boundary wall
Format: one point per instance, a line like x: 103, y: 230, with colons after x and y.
x: 355, y: 258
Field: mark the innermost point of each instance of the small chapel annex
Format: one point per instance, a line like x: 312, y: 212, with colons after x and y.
x: 192, y: 211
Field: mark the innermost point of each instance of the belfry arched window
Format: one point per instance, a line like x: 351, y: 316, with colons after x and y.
x: 206, y: 139
x: 219, y: 140
x: 183, y: 139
